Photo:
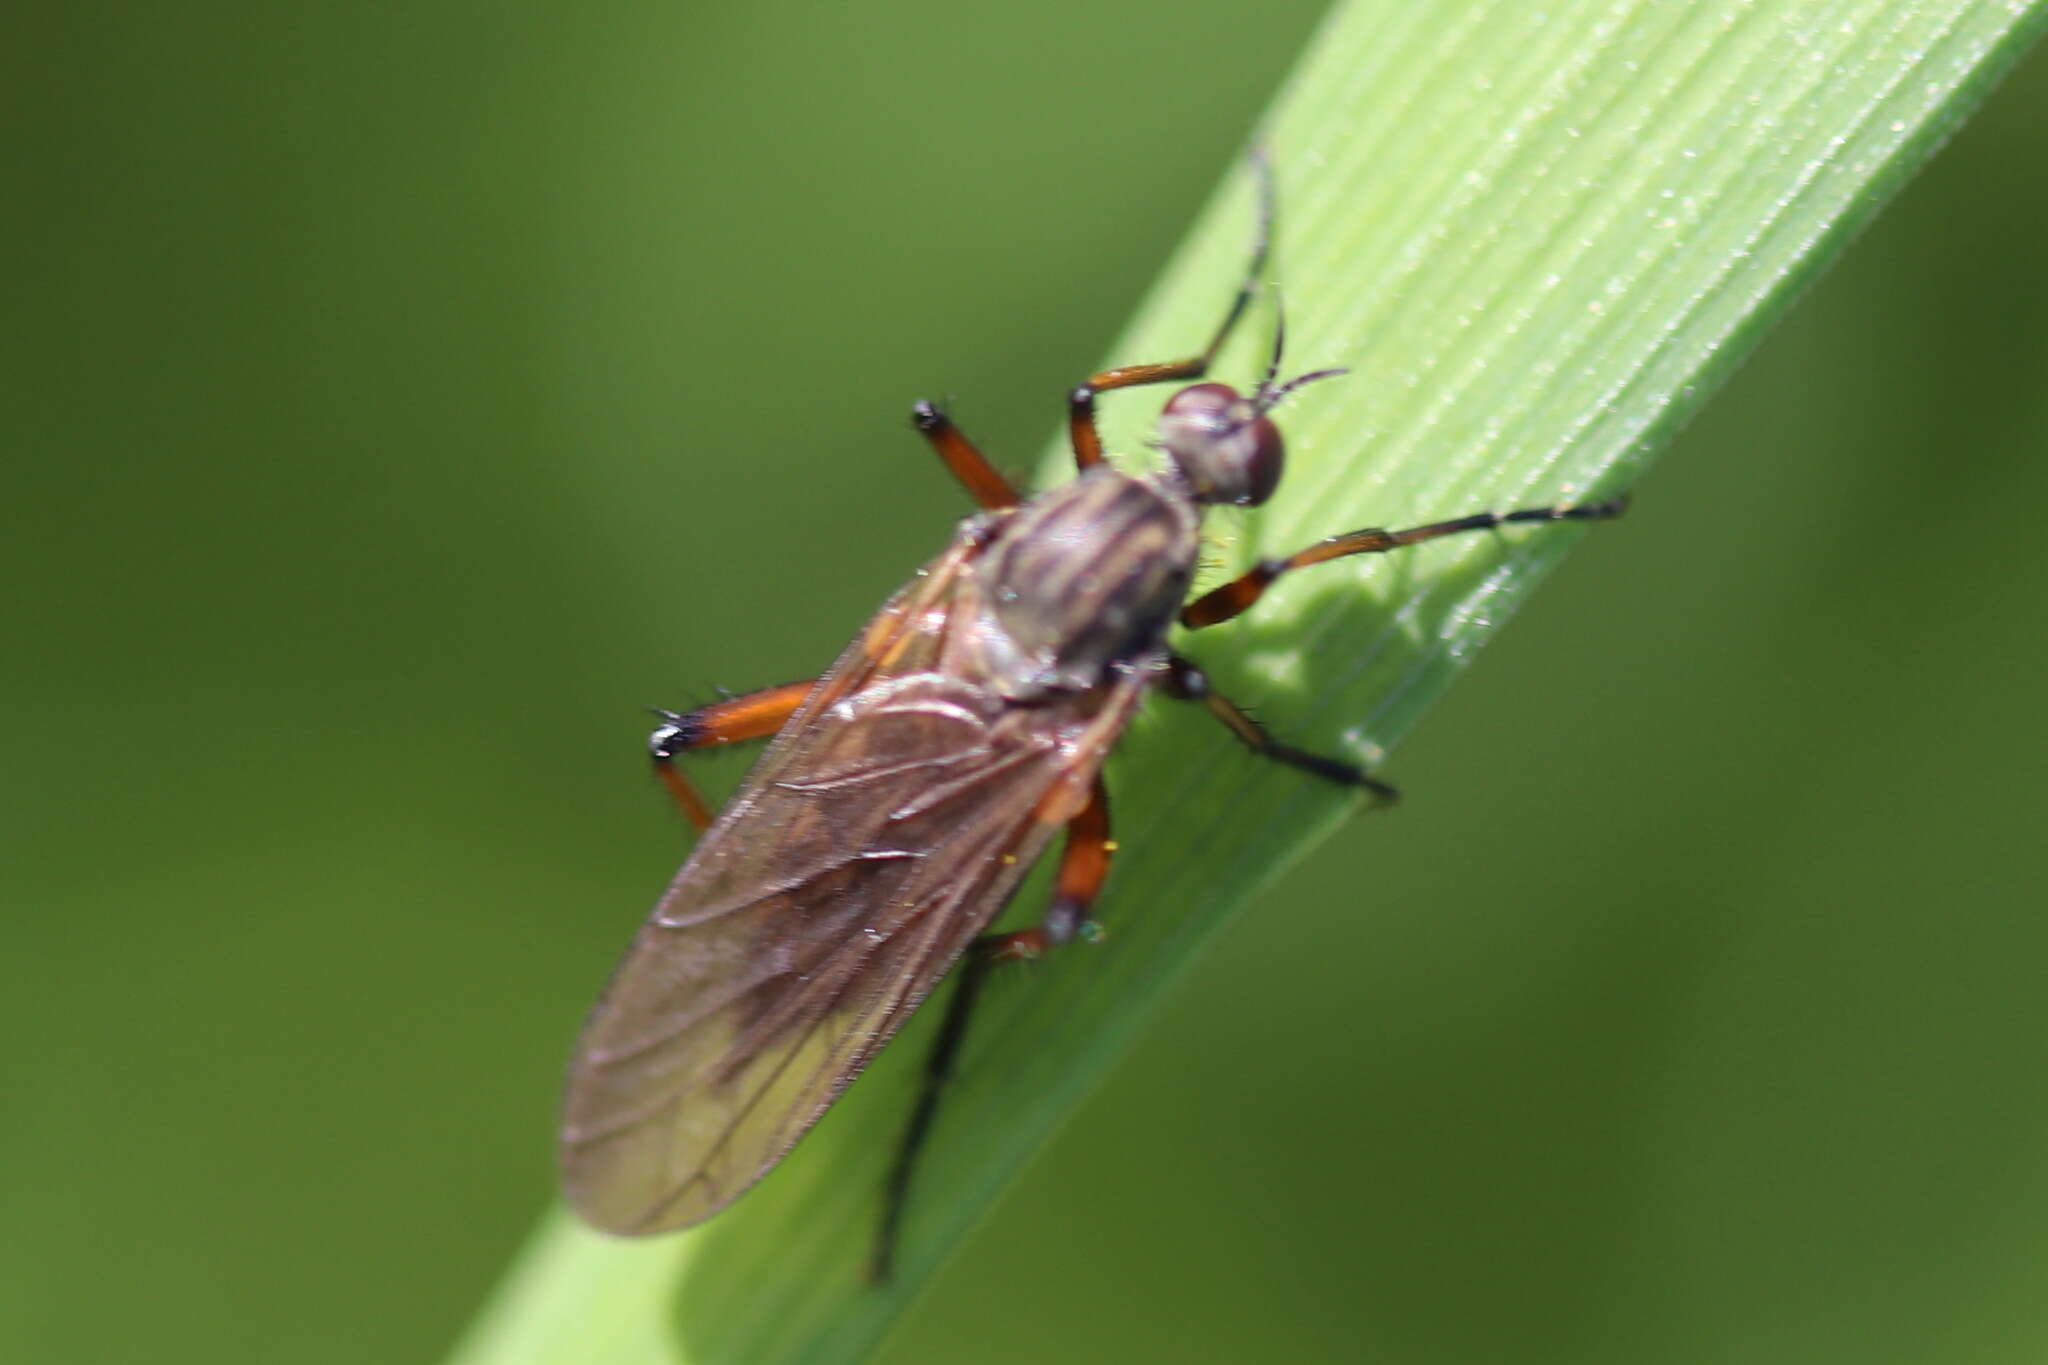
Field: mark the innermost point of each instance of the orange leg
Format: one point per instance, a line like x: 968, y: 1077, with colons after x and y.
x: 982, y: 480
x: 1084, y: 867
x: 1081, y: 432
x: 756, y: 715
x: 1237, y: 596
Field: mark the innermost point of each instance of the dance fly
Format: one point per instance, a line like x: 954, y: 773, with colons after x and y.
x: 907, y: 791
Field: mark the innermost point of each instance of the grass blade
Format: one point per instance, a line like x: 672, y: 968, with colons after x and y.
x: 1538, y: 237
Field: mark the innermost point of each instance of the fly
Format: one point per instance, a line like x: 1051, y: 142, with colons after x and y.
x: 907, y: 791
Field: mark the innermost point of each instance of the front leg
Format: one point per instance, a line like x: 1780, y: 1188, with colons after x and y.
x: 962, y: 458
x: 1081, y: 430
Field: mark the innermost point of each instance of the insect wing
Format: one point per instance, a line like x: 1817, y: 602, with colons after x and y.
x: 882, y: 831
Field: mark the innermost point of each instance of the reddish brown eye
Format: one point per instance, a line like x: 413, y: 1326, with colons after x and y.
x: 1199, y: 409
x: 1211, y: 397
x: 1225, y: 446
x: 1267, y: 457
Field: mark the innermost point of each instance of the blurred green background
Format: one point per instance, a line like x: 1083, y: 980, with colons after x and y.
x: 398, y: 399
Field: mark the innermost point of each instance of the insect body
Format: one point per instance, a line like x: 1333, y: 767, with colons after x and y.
x: 906, y: 793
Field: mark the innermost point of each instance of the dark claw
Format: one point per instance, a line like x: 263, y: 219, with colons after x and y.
x: 677, y: 734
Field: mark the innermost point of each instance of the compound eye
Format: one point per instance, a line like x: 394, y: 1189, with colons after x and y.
x: 1264, y: 459
x: 1198, y: 412
x: 1227, y: 449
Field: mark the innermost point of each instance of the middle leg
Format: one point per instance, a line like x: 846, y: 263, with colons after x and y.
x: 752, y: 715
x: 1237, y: 596
x: 1189, y: 683
x: 1084, y: 867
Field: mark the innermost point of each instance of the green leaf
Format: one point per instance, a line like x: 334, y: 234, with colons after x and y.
x: 1538, y: 236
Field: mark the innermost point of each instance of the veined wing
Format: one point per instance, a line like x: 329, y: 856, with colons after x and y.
x: 881, y: 832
